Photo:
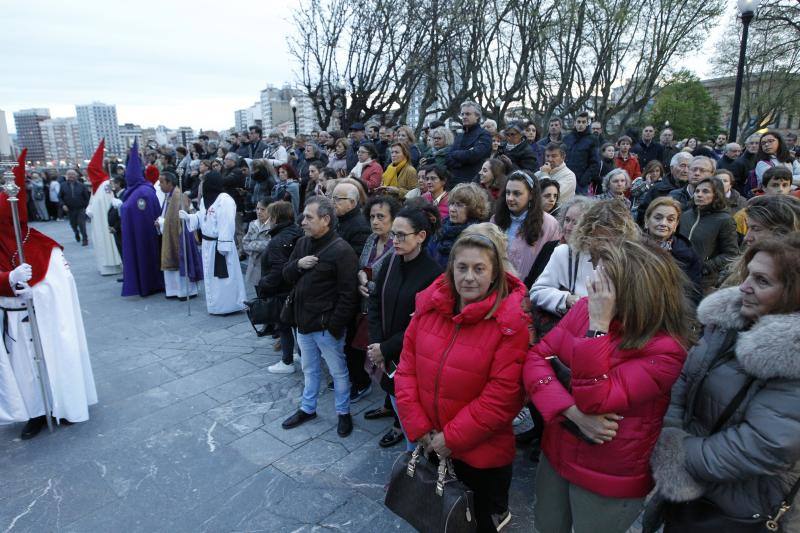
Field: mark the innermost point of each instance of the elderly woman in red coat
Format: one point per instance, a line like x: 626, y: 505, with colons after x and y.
x: 617, y: 353
x: 458, y: 385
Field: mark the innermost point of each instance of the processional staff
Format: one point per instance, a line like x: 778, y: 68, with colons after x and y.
x: 12, y: 191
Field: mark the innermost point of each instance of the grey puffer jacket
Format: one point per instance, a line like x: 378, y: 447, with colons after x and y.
x: 749, y: 466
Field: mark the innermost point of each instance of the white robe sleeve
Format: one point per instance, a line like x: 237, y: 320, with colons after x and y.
x: 193, y: 222
x: 545, y: 292
x: 226, y: 224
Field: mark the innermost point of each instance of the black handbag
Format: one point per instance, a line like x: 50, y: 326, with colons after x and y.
x: 264, y: 311
x: 430, y: 497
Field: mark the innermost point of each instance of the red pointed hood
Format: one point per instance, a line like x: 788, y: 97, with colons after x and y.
x: 151, y: 174
x: 95, y: 168
x: 37, y: 246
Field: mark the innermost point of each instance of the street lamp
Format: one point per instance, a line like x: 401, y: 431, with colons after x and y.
x: 747, y: 10
x: 293, y: 104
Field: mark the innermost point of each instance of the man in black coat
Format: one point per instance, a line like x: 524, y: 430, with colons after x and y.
x: 74, y: 196
x: 470, y: 148
x: 648, y: 149
x: 358, y: 137
x: 353, y: 227
x: 518, y: 149
x: 729, y: 155
x: 583, y: 156
x: 323, y: 269
x: 677, y: 178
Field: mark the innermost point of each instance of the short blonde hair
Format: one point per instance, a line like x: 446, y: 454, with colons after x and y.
x: 444, y: 132
x: 473, y: 197
x: 606, y: 219
x: 617, y: 171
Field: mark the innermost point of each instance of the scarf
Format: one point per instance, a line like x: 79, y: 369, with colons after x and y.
x: 359, y: 168
x: 391, y: 172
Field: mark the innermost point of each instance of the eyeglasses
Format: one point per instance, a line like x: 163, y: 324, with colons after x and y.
x: 768, y: 141
x: 399, y: 236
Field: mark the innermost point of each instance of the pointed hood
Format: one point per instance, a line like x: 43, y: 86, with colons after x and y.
x: 134, y: 177
x: 95, y: 168
x: 37, y: 246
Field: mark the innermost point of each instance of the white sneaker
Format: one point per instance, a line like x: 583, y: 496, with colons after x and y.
x: 500, y: 521
x: 281, y: 368
x: 297, y: 358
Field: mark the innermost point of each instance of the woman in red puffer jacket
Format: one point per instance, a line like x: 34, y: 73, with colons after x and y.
x: 458, y: 385
x: 623, y: 347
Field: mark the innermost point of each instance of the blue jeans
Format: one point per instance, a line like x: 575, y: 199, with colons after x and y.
x: 313, y: 347
x: 410, y: 446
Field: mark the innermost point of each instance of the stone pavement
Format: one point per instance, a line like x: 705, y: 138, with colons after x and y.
x: 186, y: 435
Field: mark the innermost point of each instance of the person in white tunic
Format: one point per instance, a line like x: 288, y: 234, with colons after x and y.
x: 108, y: 259
x: 46, y: 279
x: 105, y: 251
x: 222, y: 273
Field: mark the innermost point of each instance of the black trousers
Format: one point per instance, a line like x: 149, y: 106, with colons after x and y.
x: 359, y: 379
x: 490, y: 488
x: 77, y: 220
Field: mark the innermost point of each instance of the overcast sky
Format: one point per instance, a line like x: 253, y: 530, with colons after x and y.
x: 175, y: 63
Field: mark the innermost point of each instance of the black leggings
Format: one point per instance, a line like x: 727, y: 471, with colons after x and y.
x: 490, y: 488
x: 287, y: 343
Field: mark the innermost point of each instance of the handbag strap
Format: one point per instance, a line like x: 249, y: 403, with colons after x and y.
x: 383, y: 292
x: 733, y: 405
x: 573, y: 272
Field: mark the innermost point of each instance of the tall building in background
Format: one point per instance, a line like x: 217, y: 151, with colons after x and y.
x: 276, y: 112
x: 97, y: 121
x: 6, y: 151
x: 244, y: 118
x: 29, y: 134
x: 61, y: 140
x: 240, y: 120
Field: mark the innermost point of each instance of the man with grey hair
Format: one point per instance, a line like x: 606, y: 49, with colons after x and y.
x: 470, y: 148
x: 731, y: 152
x: 352, y: 226
x: 323, y: 270
x: 74, y: 196
x: 700, y: 167
x: 678, y: 177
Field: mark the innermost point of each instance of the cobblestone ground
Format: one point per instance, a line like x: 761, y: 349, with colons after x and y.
x: 186, y: 435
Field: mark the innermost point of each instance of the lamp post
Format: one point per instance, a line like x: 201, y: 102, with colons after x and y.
x: 293, y: 104
x: 747, y: 10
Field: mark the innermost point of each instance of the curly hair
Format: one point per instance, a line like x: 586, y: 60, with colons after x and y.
x: 606, y: 219
x: 473, y: 197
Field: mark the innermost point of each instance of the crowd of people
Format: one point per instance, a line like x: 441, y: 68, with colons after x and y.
x: 634, y: 305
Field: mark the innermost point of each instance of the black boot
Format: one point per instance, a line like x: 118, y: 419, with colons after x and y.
x: 345, y: 425
x: 33, y: 427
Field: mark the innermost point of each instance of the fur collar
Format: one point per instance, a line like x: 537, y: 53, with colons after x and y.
x: 769, y: 349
